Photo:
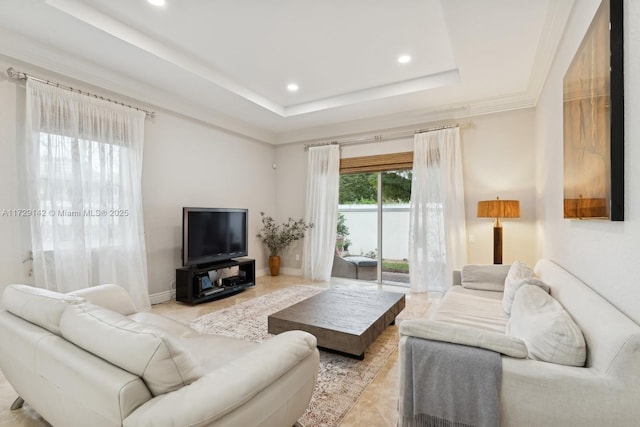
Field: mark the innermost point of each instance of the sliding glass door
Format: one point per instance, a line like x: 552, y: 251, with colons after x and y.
x: 373, y: 221
x: 394, y: 225
x: 357, y: 243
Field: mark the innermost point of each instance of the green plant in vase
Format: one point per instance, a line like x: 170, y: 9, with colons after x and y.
x: 277, y: 237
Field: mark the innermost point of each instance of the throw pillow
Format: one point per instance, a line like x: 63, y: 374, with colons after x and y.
x: 149, y: 352
x: 547, y: 329
x: 512, y: 286
x: 484, y: 277
x: 519, y: 270
x: 519, y: 274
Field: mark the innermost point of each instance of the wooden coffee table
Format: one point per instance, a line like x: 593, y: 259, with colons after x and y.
x: 343, y: 320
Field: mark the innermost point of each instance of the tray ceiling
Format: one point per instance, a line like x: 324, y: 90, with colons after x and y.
x: 229, y: 62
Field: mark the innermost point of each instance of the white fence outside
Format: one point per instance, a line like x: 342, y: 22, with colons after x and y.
x: 362, y: 221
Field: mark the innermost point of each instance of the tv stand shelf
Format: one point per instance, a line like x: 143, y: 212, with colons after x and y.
x: 189, y: 287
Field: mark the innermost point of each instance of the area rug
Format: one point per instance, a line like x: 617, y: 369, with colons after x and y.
x: 341, y: 379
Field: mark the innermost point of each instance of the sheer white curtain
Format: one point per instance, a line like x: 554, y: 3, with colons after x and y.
x: 84, y: 170
x: 323, y: 180
x: 437, y: 241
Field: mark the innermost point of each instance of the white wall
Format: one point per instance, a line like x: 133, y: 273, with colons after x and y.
x: 186, y: 163
x: 291, y: 182
x: 362, y: 221
x: 498, y: 156
x: 604, y: 254
x: 498, y: 160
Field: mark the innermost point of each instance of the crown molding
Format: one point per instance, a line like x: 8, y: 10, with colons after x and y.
x: 557, y: 17
x: 406, y: 120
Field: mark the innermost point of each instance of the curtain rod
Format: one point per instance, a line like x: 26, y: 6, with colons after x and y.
x: 19, y: 75
x: 389, y: 135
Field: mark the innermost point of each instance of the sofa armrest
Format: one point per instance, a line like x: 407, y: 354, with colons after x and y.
x: 228, y: 387
x: 112, y: 297
x: 558, y: 393
x: 465, y: 335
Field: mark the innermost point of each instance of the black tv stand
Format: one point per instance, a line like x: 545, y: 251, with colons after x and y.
x: 188, y: 283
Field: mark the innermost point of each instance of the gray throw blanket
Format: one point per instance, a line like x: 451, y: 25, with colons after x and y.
x: 450, y: 385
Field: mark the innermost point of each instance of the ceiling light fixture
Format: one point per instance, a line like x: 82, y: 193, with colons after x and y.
x: 292, y: 87
x: 404, y: 59
x: 157, y: 2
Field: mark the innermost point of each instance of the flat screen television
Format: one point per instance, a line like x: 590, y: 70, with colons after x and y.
x: 212, y: 235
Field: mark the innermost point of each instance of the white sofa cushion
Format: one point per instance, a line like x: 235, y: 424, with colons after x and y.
x: 38, y: 306
x: 547, y: 329
x: 168, y: 325
x: 471, y: 307
x: 519, y: 275
x: 466, y: 335
x: 484, y: 277
x: 512, y: 288
x: 144, y: 350
x: 109, y: 296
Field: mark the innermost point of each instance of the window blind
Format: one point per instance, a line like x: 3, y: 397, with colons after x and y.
x: 377, y: 163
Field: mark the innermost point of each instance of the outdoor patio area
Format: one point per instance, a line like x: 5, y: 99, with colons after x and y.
x: 356, y: 249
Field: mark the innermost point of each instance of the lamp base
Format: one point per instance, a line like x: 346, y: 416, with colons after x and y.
x: 497, y: 245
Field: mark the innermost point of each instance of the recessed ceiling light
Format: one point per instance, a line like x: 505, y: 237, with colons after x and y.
x: 404, y: 59
x: 292, y: 87
x: 157, y: 2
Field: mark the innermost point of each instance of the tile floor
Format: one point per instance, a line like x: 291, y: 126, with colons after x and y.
x: 375, y: 408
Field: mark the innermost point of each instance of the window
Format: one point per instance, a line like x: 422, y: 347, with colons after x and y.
x: 80, y: 181
x: 83, y: 158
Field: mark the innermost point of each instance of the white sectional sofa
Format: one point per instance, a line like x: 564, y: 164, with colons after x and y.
x: 603, y: 392
x: 89, y: 359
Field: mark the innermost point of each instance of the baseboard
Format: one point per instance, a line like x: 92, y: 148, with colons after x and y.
x: 161, y: 297
x: 288, y: 271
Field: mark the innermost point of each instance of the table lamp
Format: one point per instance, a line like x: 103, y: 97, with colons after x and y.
x: 498, y: 209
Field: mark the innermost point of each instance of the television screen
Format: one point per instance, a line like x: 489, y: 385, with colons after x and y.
x: 213, y: 234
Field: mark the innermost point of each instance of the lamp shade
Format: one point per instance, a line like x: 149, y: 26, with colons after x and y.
x: 499, y: 209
